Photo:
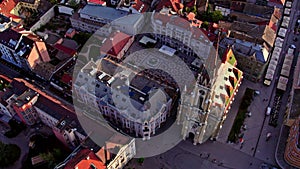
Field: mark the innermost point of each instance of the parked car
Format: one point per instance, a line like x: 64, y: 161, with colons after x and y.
x: 292, y: 46
x: 295, y: 39
x: 268, y: 112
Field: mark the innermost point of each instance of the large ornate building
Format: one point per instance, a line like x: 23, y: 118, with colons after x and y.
x: 203, y: 109
x: 134, y: 98
x: 98, y: 86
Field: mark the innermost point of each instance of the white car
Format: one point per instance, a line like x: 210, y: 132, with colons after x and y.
x: 268, y: 112
x: 292, y: 46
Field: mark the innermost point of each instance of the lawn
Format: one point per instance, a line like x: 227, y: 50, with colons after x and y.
x: 241, y: 115
x: 94, y: 52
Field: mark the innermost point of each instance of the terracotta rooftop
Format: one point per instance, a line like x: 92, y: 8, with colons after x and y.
x: 65, y: 49
x: 115, y: 43
x: 140, y: 6
x: 174, y: 4
x: 6, y: 6
x: 84, y: 159
x: 281, y: 2
x: 98, y: 2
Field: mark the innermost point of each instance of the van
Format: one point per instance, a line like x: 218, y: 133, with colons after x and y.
x: 268, y: 112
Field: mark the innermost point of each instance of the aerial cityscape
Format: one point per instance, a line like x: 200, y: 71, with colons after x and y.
x: 149, y: 84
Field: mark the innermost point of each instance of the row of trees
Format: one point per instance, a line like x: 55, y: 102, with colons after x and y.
x: 207, y: 16
x: 241, y: 115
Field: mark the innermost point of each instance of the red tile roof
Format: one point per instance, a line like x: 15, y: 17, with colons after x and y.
x: 83, y: 160
x: 163, y: 18
x: 6, y: 6
x: 273, y: 26
x: 281, y: 2
x: 191, y: 16
x: 180, y: 22
x: 139, y: 5
x: 66, y: 78
x: 115, y: 43
x: 174, y: 4
x: 99, y: 2
x: 65, y: 49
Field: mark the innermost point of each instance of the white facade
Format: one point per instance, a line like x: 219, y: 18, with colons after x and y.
x: 178, y: 33
x: 129, y: 24
x: 126, y: 153
x: 4, y: 110
x: 46, y: 118
x: 117, y: 106
x: 10, y: 55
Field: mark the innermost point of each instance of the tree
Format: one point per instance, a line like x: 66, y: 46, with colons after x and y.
x: 53, y: 1
x: 9, y: 154
x: 205, y: 25
x: 187, y: 9
x: 216, y: 16
x: 141, y: 160
x: 52, y: 158
x: 194, y: 10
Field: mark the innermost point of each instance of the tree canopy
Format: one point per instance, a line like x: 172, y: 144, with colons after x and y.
x: 10, y: 153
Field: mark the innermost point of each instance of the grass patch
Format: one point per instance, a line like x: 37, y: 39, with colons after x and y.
x: 241, y: 115
x: 94, y: 52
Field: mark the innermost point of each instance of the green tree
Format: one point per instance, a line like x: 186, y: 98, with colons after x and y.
x: 53, y: 1
x: 141, y: 160
x: 52, y: 158
x: 205, y: 25
x: 216, y: 16
x: 194, y: 9
x: 10, y: 153
x: 187, y: 9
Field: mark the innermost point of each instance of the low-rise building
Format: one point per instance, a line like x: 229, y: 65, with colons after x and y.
x: 22, y: 50
x: 23, y: 106
x: 252, y: 58
x: 62, y: 121
x: 114, y: 154
x: 178, y: 33
x: 92, y: 18
x: 5, y: 22
x: 97, y: 86
x: 116, y: 45
x: 27, y: 4
x: 292, y: 149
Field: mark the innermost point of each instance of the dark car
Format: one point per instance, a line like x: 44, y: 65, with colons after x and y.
x: 295, y: 39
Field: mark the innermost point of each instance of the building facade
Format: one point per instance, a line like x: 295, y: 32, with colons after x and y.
x: 178, y: 33
x: 106, y: 92
x: 203, y: 109
x: 92, y: 18
x: 28, y: 4
x: 252, y: 58
x: 116, y: 45
x: 23, y: 106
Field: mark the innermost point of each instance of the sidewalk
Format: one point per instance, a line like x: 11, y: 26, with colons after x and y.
x: 254, y: 123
